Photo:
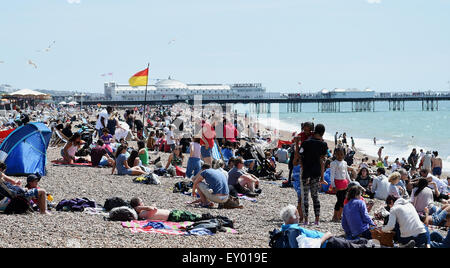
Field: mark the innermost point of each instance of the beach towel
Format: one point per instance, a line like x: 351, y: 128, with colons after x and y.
x: 281, y: 143
x: 60, y: 163
x: 171, y: 228
x: 241, y: 196
x: 215, y: 152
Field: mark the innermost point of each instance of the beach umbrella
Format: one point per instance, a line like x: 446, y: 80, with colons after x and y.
x: 63, y: 103
x: 28, y: 94
x: 73, y: 103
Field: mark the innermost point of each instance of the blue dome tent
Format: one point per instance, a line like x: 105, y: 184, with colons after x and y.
x: 24, y: 151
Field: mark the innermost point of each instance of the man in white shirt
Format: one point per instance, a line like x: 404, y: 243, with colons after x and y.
x: 170, y: 138
x: 411, y: 227
x: 381, y: 185
x: 102, y: 121
x: 282, y: 155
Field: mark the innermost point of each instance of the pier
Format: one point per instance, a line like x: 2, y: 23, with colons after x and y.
x: 430, y: 102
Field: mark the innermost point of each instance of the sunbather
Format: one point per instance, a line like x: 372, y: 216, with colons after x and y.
x: 155, y: 214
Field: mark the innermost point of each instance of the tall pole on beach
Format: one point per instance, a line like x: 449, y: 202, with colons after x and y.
x: 145, y: 99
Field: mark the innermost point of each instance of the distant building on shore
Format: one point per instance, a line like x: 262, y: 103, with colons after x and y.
x: 342, y: 93
x: 170, y: 89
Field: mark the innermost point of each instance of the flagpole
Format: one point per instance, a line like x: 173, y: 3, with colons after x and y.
x: 145, y: 98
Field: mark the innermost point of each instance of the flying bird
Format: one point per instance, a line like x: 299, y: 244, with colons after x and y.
x: 32, y: 64
x: 48, y: 48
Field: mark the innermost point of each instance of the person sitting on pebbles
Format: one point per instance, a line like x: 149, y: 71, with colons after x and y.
x: 212, y: 185
x: 71, y: 148
x: 29, y: 194
x: 153, y: 213
x: 122, y: 165
x: 300, y: 237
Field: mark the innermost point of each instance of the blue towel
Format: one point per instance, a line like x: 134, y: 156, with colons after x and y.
x: 156, y: 225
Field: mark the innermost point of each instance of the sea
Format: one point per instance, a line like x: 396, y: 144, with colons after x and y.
x: 398, y: 131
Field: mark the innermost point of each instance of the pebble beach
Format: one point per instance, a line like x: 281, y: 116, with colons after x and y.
x: 69, y: 229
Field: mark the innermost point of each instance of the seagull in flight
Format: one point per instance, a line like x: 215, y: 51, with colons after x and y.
x: 32, y: 64
x: 48, y: 48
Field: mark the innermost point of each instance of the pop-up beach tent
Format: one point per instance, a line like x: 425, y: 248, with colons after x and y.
x: 24, y: 151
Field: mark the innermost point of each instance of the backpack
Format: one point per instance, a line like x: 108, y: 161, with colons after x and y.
x: 153, y: 179
x: 18, y: 205
x: 182, y: 186
x: 123, y: 214
x: 114, y: 203
x: 280, y: 239
x: 213, y: 225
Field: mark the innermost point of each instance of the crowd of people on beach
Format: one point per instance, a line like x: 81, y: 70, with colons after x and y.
x: 223, y: 164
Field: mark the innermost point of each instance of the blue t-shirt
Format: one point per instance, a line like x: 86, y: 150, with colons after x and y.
x: 233, y: 176
x: 216, y: 180
x: 121, y: 169
x: 302, y: 231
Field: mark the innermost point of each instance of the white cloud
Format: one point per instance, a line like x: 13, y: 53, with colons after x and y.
x: 374, y: 1
x: 73, y: 1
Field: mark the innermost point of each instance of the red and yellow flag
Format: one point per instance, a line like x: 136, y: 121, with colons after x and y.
x: 139, y: 79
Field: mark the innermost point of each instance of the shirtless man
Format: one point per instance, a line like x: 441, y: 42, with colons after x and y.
x: 436, y: 165
x: 155, y: 214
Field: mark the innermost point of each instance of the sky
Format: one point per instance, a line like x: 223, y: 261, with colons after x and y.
x: 287, y: 45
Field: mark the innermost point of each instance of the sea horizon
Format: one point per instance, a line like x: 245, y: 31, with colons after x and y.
x: 398, y: 131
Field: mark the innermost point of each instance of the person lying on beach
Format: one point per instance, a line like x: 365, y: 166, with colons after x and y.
x: 153, y: 213
x: 122, y: 166
x: 71, y: 148
x: 211, y: 185
x: 34, y: 193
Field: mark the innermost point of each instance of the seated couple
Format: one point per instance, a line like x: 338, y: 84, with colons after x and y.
x: 128, y: 165
x: 31, y: 192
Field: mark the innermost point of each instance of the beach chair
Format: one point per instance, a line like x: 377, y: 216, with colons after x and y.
x: 58, y: 139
